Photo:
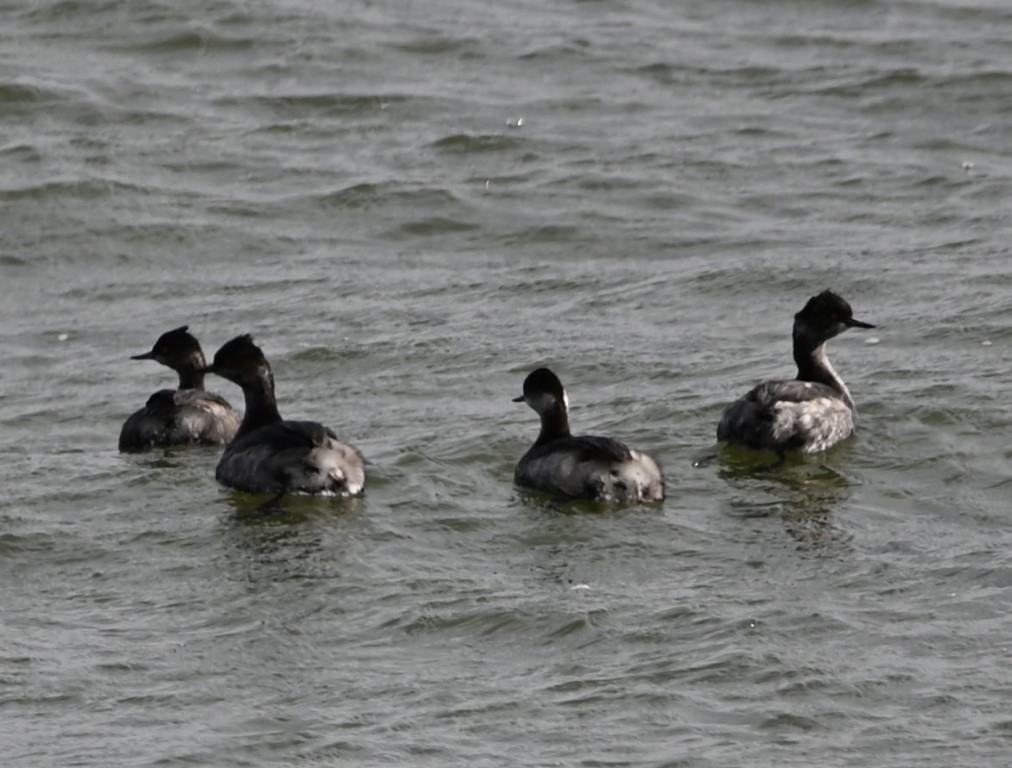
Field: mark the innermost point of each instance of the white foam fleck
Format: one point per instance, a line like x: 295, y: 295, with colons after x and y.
x: 872, y: 340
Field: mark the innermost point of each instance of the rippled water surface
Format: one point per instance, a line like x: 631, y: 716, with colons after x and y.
x: 411, y: 205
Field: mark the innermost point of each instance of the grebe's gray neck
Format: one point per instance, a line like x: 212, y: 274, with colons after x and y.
x: 814, y: 365
x: 190, y: 379
x: 191, y: 371
x: 554, y: 418
x: 261, y: 407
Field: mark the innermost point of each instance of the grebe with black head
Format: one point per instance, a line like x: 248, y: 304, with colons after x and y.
x: 270, y: 454
x: 188, y: 415
x: 811, y: 412
x: 580, y: 466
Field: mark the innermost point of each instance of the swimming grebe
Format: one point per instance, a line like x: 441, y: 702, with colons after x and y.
x: 812, y: 412
x: 580, y: 466
x: 271, y: 455
x: 187, y: 415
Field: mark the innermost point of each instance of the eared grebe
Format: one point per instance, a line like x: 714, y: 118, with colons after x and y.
x: 815, y: 410
x: 580, y: 466
x: 183, y: 416
x: 270, y: 455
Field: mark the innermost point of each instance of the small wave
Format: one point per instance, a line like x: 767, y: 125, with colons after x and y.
x: 788, y: 720
x: 318, y: 104
x: 875, y: 81
x: 437, y: 45
x: 468, y: 143
x: 183, y: 41
x: 70, y: 8
x: 668, y: 74
x: 83, y: 189
x: 572, y: 49
x: 937, y: 180
x: 318, y: 354
x: 12, y: 543
x: 549, y: 233
x: 494, y: 622
x: 433, y: 226
x: 23, y: 152
x: 22, y: 93
x: 369, y: 194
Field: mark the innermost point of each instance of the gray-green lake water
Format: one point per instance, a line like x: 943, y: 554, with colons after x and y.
x: 411, y: 205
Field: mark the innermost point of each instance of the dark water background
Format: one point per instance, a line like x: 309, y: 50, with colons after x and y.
x: 413, y: 204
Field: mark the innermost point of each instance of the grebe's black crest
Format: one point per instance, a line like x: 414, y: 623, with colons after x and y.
x: 541, y: 381
x: 826, y: 304
x: 828, y: 313
x: 241, y: 361
x: 239, y: 352
x: 177, y: 344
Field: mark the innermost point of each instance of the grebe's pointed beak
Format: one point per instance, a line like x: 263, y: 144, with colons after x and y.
x: 852, y: 323
x: 146, y: 356
x: 518, y: 399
